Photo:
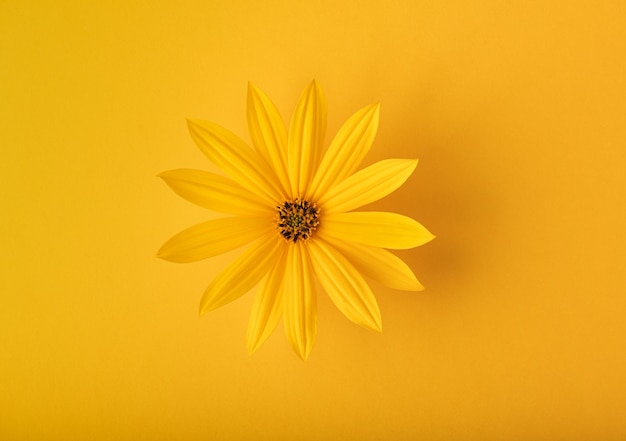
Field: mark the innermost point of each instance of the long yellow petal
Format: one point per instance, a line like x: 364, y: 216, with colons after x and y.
x: 344, y: 285
x: 268, y: 133
x: 214, y: 237
x: 267, y: 308
x: 367, y: 185
x: 347, y: 150
x: 378, y: 229
x: 214, y: 192
x: 300, y: 306
x: 377, y: 263
x: 241, y: 275
x: 306, y: 136
x: 236, y: 159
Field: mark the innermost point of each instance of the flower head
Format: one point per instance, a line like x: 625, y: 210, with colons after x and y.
x: 293, y: 207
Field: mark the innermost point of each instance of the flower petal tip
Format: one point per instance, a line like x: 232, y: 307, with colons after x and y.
x: 376, y: 327
x: 162, y: 254
x: 318, y: 89
x: 252, y: 90
x: 164, y: 175
x: 304, y: 355
x: 414, y: 286
x: 251, y: 350
x: 373, y: 323
x: 192, y: 123
x: 206, y: 305
x: 413, y: 165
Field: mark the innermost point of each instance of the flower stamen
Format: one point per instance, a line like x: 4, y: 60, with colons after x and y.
x: 297, y: 219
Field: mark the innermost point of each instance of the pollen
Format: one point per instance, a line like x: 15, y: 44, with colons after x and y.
x: 297, y: 219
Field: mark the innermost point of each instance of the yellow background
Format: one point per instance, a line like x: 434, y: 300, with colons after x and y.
x: 517, y: 113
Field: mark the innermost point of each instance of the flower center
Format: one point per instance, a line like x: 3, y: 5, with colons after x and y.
x: 297, y: 220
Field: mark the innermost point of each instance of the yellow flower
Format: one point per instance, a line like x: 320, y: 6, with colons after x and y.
x: 295, y: 206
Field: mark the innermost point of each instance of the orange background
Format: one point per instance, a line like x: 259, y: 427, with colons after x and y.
x: 517, y: 113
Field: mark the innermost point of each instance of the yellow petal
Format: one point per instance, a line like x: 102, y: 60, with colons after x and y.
x: 367, y: 185
x: 377, y: 263
x: 300, y: 307
x: 347, y: 150
x: 236, y: 159
x: 344, y: 285
x: 241, y: 275
x: 268, y: 133
x: 214, y: 237
x: 268, y: 307
x: 214, y: 192
x: 378, y: 229
x: 306, y: 136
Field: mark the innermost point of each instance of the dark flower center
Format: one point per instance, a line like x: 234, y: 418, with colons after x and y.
x: 297, y: 219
